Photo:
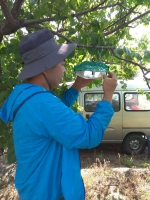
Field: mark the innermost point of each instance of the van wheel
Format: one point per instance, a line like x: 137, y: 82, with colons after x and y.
x: 134, y: 143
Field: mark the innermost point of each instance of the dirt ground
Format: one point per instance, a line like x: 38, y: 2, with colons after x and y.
x: 105, y: 153
x: 113, y: 154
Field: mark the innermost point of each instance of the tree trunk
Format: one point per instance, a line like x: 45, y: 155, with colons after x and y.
x: 0, y: 70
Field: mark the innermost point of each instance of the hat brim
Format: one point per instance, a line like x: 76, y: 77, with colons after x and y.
x: 47, y: 62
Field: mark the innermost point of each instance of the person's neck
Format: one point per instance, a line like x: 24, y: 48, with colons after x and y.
x: 38, y: 80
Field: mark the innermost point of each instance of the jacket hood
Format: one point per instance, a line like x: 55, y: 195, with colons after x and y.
x: 18, y: 94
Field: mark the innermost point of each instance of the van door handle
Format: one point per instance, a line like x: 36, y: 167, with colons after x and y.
x: 110, y: 129
x: 87, y: 116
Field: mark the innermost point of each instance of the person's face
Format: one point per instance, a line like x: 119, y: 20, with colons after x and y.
x: 55, y: 74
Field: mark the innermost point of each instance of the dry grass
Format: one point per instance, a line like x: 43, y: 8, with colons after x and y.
x: 104, y: 183
x: 115, y: 176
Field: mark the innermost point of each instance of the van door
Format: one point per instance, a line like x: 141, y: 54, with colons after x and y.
x: 114, y: 131
x: 136, y: 114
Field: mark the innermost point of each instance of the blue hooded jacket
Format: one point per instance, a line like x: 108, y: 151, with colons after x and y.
x: 47, y: 134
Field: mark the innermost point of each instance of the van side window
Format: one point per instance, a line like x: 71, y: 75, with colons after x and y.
x: 136, y: 102
x: 91, y: 100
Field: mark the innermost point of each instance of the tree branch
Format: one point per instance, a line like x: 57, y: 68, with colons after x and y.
x: 62, y: 36
x: 0, y: 71
x: 33, y: 21
x: 146, y: 79
x: 96, y: 47
x: 126, y: 24
x: 54, y: 32
x: 16, y: 8
x: 129, y: 61
x: 11, y: 25
x: 70, y: 41
x: 1, y: 38
x: 94, y: 9
x: 120, y: 19
x: 143, y: 69
x: 38, y: 3
x: 89, y: 10
x: 5, y: 9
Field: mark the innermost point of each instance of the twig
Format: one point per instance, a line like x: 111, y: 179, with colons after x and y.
x: 16, y: 8
x: 94, y: 9
x: 96, y: 47
x: 33, y: 21
x: 136, y: 64
x: 117, y: 21
x: 6, y: 11
x: 129, y: 61
x: 62, y: 36
x: 126, y: 24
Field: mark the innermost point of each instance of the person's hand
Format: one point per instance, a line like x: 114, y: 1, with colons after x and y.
x: 109, y: 84
x: 80, y: 83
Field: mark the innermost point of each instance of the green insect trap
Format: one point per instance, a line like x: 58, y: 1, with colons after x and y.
x: 91, y: 70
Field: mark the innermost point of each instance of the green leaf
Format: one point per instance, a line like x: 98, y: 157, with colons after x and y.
x: 71, y: 55
x: 128, y: 54
x: 72, y: 31
x: 72, y: 4
x: 10, y: 4
x: 78, y: 2
x: 95, y: 24
x: 103, y: 52
x: 94, y: 39
x: 97, y: 82
x: 92, y: 51
x: 100, y: 41
x: 11, y: 157
x: 138, y: 57
x: 90, y: 85
x: 29, y: 15
x: 5, y: 75
x: 119, y: 51
x: 3, y: 95
x: 33, y: 1
x: 127, y: 51
x: 124, y: 86
x: 14, y: 73
x: 146, y: 56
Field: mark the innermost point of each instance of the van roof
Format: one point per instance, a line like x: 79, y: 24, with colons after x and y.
x: 131, y: 84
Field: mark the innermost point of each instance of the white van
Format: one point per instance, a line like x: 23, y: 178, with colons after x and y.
x: 130, y: 124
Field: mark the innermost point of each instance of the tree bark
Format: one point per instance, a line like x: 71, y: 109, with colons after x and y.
x: 16, y: 8
x: 0, y: 71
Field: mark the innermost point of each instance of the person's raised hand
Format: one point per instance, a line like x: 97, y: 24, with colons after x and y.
x: 109, y: 85
x: 80, y: 83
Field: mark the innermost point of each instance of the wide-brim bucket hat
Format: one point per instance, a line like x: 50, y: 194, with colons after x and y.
x: 40, y: 52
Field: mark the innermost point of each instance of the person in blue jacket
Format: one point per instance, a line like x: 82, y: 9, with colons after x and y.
x: 47, y: 133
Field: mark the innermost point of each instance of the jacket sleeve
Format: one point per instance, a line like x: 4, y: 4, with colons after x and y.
x: 70, y: 128
x: 70, y: 96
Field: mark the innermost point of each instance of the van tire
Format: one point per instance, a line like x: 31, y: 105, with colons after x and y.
x: 134, y: 143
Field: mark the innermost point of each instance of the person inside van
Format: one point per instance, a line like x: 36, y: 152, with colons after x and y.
x: 47, y: 133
